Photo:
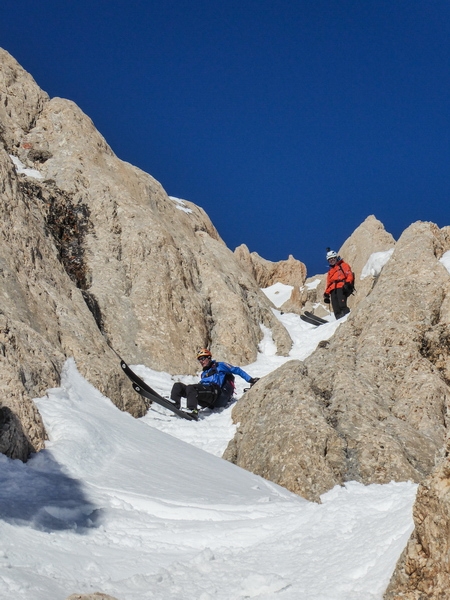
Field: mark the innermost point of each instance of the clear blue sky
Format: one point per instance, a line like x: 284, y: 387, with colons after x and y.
x: 289, y: 122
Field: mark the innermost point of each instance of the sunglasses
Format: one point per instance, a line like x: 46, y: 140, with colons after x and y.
x: 202, y: 358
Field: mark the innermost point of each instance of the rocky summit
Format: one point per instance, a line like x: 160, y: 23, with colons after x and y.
x: 95, y: 256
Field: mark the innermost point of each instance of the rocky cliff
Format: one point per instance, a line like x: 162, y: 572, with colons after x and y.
x: 423, y: 571
x: 371, y: 404
x: 93, y: 250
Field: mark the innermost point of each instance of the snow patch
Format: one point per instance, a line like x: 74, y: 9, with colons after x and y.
x: 180, y: 204
x: 278, y: 293
x: 445, y: 260
x: 375, y: 263
x: 267, y: 346
x: 312, y: 285
x: 116, y: 504
x: 20, y: 168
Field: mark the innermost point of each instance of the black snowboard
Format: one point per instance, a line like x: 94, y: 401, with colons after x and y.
x: 145, y: 390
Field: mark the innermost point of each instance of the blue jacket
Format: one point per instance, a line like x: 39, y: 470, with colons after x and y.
x: 216, y: 372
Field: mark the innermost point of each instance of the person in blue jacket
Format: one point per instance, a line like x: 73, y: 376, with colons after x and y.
x: 216, y: 386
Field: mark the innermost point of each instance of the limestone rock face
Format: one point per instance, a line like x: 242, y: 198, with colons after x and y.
x: 20, y: 101
x: 369, y: 405
x: 295, y: 303
x: 266, y: 273
x: 43, y: 320
x: 93, y: 250
x: 284, y: 435
x: 423, y: 570
x: 368, y: 238
x: 160, y: 277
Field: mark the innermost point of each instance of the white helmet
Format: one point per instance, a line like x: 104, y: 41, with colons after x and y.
x: 331, y: 254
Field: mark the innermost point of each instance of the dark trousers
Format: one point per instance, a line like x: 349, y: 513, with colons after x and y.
x: 196, y: 394
x: 339, y: 302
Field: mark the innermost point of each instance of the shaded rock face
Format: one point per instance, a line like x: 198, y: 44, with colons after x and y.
x: 371, y: 404
x: 93, y: 250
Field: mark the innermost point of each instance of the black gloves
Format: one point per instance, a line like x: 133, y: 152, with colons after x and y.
x: 348, y: 288
x: 326, y: 298
x: 253, y: 380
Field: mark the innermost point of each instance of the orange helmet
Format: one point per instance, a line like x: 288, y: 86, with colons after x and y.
x: 204, y: 352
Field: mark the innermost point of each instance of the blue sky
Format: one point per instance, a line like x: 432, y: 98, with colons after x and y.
x: 288, y: 122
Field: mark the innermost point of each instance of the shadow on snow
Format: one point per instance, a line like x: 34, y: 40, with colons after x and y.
x: 39, y: 494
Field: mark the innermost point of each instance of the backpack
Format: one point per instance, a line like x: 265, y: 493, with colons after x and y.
x: 352, y: 284
x: 228, y: 384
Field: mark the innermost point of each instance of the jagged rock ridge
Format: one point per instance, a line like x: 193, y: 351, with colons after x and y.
x: 369, y: 405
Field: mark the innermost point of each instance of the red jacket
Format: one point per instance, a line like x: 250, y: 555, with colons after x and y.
x: 338, y: 275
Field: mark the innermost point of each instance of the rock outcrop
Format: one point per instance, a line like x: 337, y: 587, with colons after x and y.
x: 368, y: 238
x: 369, y: 405
x: 93, y: 251
x: 44, y: 319
x: 266, y: 273
x: 423, y: 570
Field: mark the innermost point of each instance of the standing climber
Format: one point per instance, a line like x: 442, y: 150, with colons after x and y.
x: 216, y: 386
x: 340, y: 280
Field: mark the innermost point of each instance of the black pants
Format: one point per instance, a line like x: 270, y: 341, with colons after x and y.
x: 339, y: 303
x: 196, y: 394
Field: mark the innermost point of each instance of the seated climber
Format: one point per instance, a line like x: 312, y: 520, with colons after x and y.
x: 216, y: 386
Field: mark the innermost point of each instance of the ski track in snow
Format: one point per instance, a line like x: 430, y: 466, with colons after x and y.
x: 116, y: 505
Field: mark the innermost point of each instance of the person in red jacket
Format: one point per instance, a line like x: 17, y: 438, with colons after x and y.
x: 340, y: 281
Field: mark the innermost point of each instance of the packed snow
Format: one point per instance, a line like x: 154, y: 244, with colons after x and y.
x: 21, y: 169
x: 278, y: 293
x: 312, y: 285
x: 376, y: 262
x: 146, y: 508
x: 445, y: 260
